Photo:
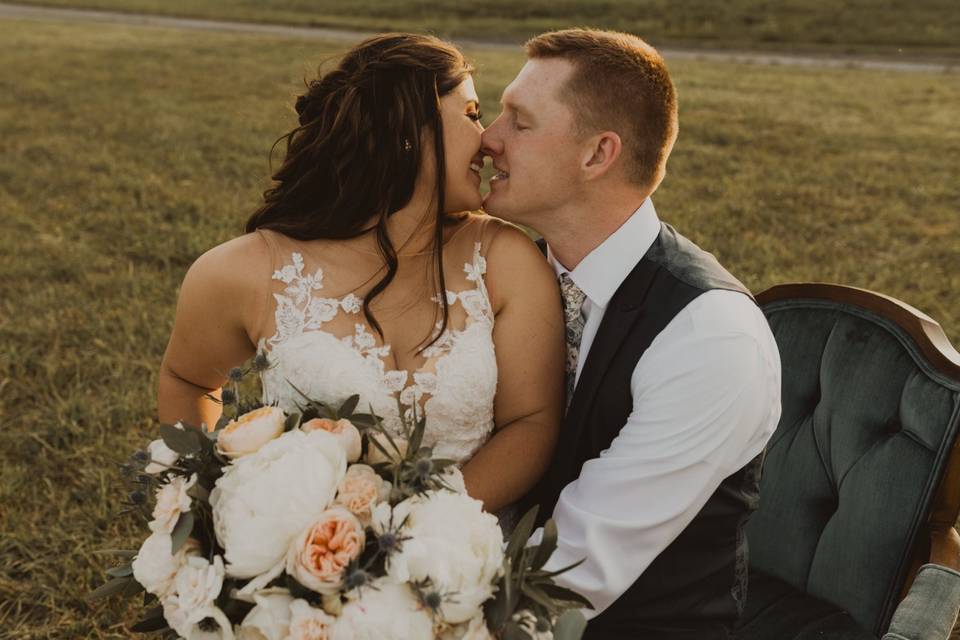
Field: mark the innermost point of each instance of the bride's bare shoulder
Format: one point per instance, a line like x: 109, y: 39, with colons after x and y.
x: 515, y: 265
x: 231, y: 270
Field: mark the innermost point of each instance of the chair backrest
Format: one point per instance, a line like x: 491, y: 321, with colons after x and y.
x: 865, y: 455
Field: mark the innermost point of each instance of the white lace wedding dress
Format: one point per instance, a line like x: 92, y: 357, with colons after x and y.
x: 324, y: 347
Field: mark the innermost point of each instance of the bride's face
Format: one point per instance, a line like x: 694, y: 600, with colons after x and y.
x: 460, y: 112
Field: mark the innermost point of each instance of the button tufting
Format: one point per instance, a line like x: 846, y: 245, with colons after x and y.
x: 893, y: 426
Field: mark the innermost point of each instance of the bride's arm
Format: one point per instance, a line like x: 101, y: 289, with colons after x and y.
x: 530, y: 349
x: 219, y: 300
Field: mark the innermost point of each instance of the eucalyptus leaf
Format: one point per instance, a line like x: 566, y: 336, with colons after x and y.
x: 570, y: 625
x: 363, y: 420
x: 120, y: 572
x: 131, y: 589
x: 292, y: 422
x: 520, y: 535
x: 537, y: 595
x: 221, y: 423
x: 110, y: 588
x: 564, y: 595
x: 185, y: 441
x: 181, y: 531
x: 547, y: 545
x: 122, y: 553
x: 349, y: 405
x: 153, y: 620
x: 551, y: 574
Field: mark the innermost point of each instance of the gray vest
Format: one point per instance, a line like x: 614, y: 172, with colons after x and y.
x: 696, y: 587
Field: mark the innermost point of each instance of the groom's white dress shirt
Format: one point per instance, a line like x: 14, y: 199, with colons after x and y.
x: 706, y: 398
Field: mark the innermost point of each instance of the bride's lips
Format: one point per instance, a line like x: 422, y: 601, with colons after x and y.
x: 475, y: 167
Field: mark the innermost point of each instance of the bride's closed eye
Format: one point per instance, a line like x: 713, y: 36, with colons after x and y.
x: 476, y: 116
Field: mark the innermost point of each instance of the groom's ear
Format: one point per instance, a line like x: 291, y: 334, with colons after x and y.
x: 601, y: 152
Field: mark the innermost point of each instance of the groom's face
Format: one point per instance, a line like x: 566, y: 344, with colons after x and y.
x: 533, y: 144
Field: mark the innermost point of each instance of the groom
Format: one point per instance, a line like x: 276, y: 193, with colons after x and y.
x: 673, y: 376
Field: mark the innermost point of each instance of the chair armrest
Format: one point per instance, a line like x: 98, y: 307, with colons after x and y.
x: 930, y: 609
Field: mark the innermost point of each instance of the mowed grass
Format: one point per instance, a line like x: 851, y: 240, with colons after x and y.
x: 126, y: 152
x: 918, y: 27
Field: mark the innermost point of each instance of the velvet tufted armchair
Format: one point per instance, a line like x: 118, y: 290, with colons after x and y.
x: 864, y: 464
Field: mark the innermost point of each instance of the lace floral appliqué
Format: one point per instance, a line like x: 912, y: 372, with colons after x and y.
x: 454, y: 387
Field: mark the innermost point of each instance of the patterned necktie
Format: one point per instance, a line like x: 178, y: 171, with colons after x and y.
x: 573, y: 299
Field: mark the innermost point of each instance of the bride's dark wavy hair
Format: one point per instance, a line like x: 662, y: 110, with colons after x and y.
x: 355, y: 155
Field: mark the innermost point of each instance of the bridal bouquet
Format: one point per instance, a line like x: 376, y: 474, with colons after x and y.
x: 323, y: 525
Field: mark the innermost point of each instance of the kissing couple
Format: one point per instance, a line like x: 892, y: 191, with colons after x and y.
x: 617, y: 375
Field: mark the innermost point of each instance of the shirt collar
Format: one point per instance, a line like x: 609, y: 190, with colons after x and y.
x: 604, y: 269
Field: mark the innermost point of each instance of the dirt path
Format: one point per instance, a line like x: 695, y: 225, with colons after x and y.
x: 24, y: 12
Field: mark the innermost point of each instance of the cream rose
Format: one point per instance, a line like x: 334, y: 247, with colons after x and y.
x: 172, y: 501
x: 186, y: 622
x: 309, y: 623
x: 269, y: 620
x: 385, y: 611
x: 162, y: 457
x: 198, y: 582
x: 376, y: 456
x: 251, y: 431
x: 360, y: 490
x: 319, y: 555
x: 455, y: 544
x: 264, y: 500
x: 347, y: 435
x: 155, y: 566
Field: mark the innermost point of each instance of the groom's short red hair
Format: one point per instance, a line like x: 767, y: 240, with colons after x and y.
x: 620, y: 83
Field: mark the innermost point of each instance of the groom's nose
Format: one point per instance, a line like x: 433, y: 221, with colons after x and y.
x: 491, y: 143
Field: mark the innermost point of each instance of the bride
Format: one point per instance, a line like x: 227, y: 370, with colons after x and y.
x: 359, y: 274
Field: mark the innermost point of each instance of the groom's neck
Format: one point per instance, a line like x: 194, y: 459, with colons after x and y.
x: 585, y: 225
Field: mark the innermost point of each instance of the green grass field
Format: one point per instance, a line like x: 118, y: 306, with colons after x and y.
x: 921, y: 27
x: 126, y: 152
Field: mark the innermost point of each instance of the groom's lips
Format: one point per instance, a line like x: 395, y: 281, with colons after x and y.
x: 500, y: 175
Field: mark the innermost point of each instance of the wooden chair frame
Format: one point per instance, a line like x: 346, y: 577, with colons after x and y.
x: 930, y: 339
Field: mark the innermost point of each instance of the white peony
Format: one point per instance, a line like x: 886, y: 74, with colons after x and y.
x: 249, y: 432
x: 155, y: 566
x: 453, y: 478
x: 384, y: 611
x: 454, y: 544
x: 473, y: 629
x: 161, y: 457
x: 269, y: 620
x: 172, y: 501
x: 309, y: 623
x: 264, y: 500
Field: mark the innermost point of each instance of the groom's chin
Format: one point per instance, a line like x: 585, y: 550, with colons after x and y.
x: 494, y: 207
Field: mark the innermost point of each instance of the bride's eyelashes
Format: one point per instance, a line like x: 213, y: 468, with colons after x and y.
x: 476, y: 116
